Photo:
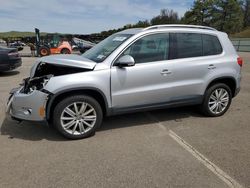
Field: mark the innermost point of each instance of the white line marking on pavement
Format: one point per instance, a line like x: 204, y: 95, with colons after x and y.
x: 211, y: 166
x: 206, y: 162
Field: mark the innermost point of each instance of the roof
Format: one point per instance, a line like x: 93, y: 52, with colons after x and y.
x: 131, y: 31
x: 169, y: 26
x: 179, y: 26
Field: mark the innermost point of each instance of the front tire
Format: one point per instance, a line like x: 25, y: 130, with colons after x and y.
x: 78, y: 116
x: 217, y: 100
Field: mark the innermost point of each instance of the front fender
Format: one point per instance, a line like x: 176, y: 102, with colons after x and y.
x: 98, y: 80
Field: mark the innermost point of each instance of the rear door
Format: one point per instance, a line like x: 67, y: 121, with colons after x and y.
x: 194, y: 56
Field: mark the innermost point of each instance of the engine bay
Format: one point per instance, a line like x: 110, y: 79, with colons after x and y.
x: 44, y: 72
x: 56, y: 69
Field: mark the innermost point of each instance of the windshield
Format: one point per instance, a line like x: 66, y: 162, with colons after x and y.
x: 103, y: 49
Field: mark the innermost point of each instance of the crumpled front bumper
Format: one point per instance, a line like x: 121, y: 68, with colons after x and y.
x: 29, y: 107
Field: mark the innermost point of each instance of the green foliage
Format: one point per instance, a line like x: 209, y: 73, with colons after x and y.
x: 166, y: 17
x: 245, y: 6
x: 243, y: 34
x: 227, y: 16
x: 200, y: 13
x: 224, y: 15
x: 17, y: 34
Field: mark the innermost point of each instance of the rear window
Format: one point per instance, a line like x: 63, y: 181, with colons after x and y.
x: 211, y: 45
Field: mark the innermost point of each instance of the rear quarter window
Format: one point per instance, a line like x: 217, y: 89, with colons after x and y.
x: 211, y: 45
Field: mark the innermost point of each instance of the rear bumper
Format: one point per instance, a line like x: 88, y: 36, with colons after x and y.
x: 237, y: 92
x: 238, y: 81
x: 29, y: 107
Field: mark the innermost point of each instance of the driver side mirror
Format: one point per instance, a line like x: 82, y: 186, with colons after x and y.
x: 125, y: 61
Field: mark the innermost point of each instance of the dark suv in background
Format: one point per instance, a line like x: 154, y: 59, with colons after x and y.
x: 9, y: 59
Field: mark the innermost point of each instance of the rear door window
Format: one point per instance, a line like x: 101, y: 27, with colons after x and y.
x: 187, y: 45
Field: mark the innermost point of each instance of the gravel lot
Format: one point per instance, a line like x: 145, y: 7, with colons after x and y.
x: 135, y: 150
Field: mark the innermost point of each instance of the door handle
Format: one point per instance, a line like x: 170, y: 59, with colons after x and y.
x: 211, y: 67
x: 165, y: 72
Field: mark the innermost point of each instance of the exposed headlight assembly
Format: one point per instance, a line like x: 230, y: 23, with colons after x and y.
x: 36, y: 83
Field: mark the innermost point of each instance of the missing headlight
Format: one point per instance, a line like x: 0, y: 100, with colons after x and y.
x: 37, y: 83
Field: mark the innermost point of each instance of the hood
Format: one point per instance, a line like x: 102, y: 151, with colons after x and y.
x: 65, y: 62
x: 69, y: 60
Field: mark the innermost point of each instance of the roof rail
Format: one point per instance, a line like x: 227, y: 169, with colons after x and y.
x: 179, y: 26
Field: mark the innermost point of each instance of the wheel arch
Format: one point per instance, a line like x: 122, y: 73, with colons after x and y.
x: 228, y: 80
x: 92, y: 92
x: 65, y: 48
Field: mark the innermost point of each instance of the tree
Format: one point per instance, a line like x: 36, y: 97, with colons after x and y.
x: 200, y: 13
x: 224, y: 15
x: 166, y: 17
x: 245, y: 6
x: 227, y: 16
x: 142, y: 24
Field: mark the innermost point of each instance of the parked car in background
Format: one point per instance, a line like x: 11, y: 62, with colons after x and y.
x: 133, y: 70
x: 9, y: 59
x: 83, y: 45
x: 3, y: 43
x: 17, y: 45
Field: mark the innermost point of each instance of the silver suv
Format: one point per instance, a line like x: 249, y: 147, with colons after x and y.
x: 133, y: 70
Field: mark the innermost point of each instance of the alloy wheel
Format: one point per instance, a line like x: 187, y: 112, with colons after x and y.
x: 218, y: 100
x: 78, y: 118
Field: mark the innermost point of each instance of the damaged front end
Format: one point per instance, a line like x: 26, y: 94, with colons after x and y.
x: 44, y: 72
x: 28, y: 102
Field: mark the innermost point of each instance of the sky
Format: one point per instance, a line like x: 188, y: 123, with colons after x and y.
x: 81, y: 16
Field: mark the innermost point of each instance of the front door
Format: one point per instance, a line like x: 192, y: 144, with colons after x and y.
x: 149, y: 81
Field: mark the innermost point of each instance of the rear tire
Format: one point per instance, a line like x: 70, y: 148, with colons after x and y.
x: 217, y: 100
x: 65, y: 51
x: 77, y: 116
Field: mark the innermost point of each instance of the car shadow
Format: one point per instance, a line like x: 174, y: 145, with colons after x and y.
x: 35, y: 131
x: 9, y: 73
x: 25, y: 130
x: 149, y: 117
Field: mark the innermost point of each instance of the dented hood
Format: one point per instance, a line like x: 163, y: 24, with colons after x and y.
x: 69, y: 60
x: 65, y: 60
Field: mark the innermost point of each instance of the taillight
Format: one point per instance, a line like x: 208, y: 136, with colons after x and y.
x: 240, y: 61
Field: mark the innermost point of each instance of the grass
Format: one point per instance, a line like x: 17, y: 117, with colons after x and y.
x: 243, y: 34
x: 17, y: 34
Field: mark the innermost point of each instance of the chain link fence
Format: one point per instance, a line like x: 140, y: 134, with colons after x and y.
x: 241, y: 44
